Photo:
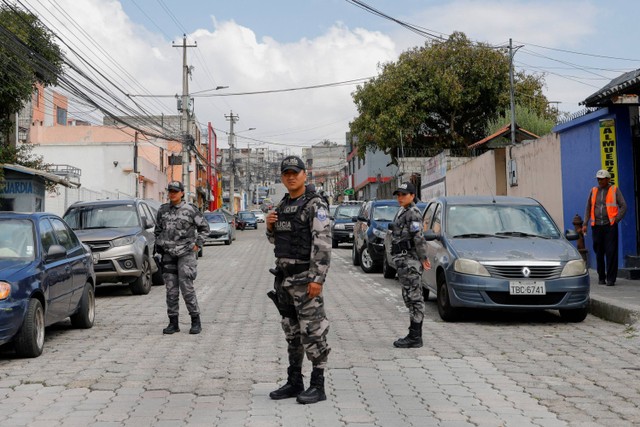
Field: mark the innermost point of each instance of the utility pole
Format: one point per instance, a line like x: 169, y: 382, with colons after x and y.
x: 512, y: 94
x: 232, y: 120
x: 183, y: 107
x: 135, y: 162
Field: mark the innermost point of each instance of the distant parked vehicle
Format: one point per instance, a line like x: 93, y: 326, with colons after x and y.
x: 247, y: 219
x: 342, y: 223
x: 371, y: 226
x: 260, y: 217
x: 501, y: 253
x: 120, y: 235
x: 219, y: 229
x: 46, y: 275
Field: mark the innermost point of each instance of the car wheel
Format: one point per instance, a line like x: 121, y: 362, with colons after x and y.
x: 574, y: 315
x: 142, y: 285
x: 84, y: 317
x: 446, y: 311
x: 367, y: 263
x: 227, y: 242
x: 425, y: 294
x: 387, y: 271
x: 30, y: 340
x: 334, y: 243
x: 355, y: 256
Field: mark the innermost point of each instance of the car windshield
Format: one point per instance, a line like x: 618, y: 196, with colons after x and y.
x: 247, y: 215
x: 500, y: 220
x: 111, y: 216
x: 347, y: 211
x: 384, y: 213
x: 215, y: 218
x: 16, y: 239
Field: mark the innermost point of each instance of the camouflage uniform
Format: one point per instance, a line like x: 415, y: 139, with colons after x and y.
x: 307, y: 327
x: 408, y: 250
x: 180, y: 227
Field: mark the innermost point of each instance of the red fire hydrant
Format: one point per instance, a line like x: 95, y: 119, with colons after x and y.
x: 577, y: 225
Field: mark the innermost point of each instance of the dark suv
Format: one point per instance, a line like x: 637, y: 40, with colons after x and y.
x: 368, y: 234
x: 120, y: 235
x: 342, y: 222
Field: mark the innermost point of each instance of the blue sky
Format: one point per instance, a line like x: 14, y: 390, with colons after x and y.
x: 270, y: 45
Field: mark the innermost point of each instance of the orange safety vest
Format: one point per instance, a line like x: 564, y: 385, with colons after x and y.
x: 610, y: 203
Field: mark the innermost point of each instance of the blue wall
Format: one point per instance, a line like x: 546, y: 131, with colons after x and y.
x: 580, y: 151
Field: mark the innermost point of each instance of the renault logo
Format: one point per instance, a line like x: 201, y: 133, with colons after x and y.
x: 526, y: 272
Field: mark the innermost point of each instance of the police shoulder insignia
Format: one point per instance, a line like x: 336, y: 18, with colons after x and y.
x: 415, y: 226
x: 321, y: 214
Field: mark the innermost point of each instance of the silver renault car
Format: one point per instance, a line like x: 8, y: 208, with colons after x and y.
x: 501, y: 253
x: 120, y: 235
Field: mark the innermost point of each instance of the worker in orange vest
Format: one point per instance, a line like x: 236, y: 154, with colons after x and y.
x: 605, y: 209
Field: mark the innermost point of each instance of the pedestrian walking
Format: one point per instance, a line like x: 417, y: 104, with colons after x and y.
x: 605, y: 209
x: 409, y: 251
x: 180, y: 232
x: 300, y: 230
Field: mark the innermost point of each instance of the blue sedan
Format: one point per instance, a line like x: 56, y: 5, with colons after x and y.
x: 501, y: 253
x: 46, y: 276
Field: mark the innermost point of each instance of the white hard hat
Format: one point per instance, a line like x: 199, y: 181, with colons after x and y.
x: 603, y: 174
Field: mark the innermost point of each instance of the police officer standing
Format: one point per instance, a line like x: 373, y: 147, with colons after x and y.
x: 409, y: 251
x: 180, y: 232
x: 299, y: 229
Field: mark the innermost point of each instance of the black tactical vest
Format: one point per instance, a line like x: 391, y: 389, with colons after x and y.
x: 292, y: 235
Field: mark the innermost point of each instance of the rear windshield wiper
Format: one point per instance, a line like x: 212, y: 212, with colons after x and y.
x: 521, y: 234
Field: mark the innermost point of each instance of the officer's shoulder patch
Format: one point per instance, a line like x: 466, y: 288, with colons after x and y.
x: 321, y: 214
x: 415, y: 226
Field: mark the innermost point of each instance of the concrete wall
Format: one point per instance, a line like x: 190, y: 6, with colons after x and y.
x: 476, y: 177
x: 539, y: 173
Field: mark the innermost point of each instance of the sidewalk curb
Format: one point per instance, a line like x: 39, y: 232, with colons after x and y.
x: 613, y: 310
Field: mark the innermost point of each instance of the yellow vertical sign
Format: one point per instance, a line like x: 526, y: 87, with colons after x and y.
x: 608, y: 151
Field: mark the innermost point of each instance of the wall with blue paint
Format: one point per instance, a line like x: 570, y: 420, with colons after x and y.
x: 581, y: 159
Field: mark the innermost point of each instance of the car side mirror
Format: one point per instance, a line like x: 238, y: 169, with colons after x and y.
x: 571, y: 235
x: 56, y: 252
x: 430, y: 235
x: 147, y: 223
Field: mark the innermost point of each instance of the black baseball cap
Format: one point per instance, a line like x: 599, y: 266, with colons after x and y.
x: 405, y: 187
x: 175, y: 186
x: 294, y: 163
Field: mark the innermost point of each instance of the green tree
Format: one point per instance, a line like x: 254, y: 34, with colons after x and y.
x: 527, y: 118
x: 28, y: 55
x: 438, y: 96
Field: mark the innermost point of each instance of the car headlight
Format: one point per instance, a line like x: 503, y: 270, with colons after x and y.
x: 339, y: 227
x: 576, y: 267
x: 5, y: 290
x: 379, y: 233
x: 123, y: 241
x: 469, y: 266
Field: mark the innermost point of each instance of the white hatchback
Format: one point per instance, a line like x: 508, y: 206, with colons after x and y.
x: 259, y: 215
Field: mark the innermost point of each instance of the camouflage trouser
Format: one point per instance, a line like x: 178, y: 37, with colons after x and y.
x: 409, y: 271
x: 308, y: 332
x: 179, y: 274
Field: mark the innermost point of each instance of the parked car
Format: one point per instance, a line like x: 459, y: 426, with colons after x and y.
x: 120, y: 235
x: 371, y: 225
x: 231, y: 219
x: 220, y: 229
x: 388, y: 266
x: 342, y: 222
x: 46, y: 275
x: 502, y: 253
x: 246, y: 219
x: 260, y: 217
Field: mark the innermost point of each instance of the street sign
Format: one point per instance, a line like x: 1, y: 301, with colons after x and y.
x: 349, y: 192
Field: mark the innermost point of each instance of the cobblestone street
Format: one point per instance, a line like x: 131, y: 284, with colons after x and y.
x: 493, y: 369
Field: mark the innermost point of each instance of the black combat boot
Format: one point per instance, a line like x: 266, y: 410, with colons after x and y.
x: 292, y: 388
x: 315, y: 392
x: 196, y: 327
x: 413, y: 340
x: 173, y: 326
